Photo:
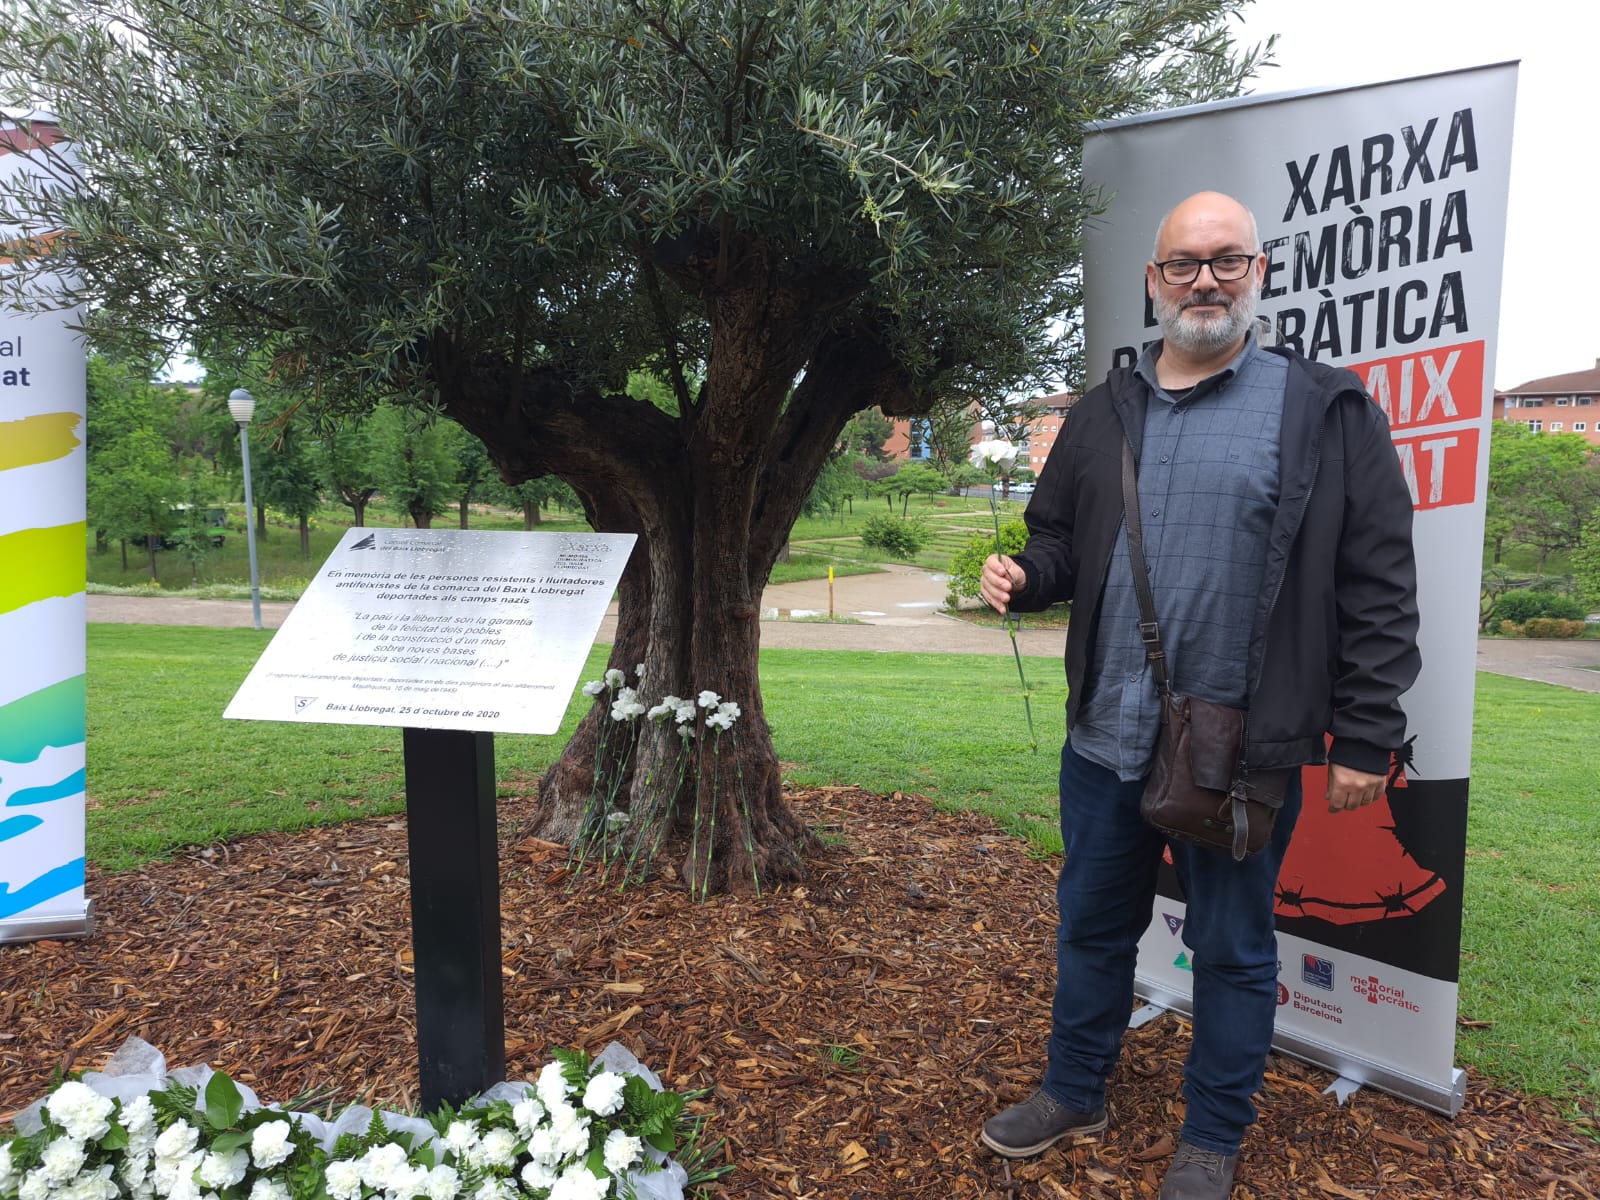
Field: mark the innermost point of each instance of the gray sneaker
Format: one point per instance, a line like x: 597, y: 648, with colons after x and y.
x: 1197, y: 1174
x: 1036, y: 1124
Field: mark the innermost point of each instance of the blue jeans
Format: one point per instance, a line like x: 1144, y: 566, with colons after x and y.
x: 1105, y: 894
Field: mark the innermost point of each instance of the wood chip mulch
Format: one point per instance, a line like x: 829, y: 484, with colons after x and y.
x: 854, y: 1031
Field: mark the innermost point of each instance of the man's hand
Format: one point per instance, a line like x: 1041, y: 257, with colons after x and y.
x: 1350, y: 789
x: 1001, y: 579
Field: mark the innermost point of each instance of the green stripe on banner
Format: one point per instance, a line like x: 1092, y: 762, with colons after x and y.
x: 52, y: 716
x: 41, y: 564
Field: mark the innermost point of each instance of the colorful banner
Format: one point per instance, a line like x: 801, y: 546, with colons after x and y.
x: 42, y: 609
x: 1382, y: 214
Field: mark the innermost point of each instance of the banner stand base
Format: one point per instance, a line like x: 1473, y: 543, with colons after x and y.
x: 54, y: 926
x: 1430, y: 1094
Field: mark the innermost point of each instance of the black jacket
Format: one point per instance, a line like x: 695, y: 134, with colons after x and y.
x: 1334, y: 636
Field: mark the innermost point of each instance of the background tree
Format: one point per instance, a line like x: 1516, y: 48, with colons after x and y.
x: 347, y: 454
x: 866, y: 433
x: 132, y: 480
x: 416, y: 463
x: 1543, y: 489
x: 949, y: 439
x: 915, y: 479
x: 285, y: 468
x: 1586, y: 563
x: 473, y: 470
x: 790, y: 212
x: 133, y: 489
x: 532, y: 495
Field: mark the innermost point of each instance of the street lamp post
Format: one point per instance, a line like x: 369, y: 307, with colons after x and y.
x: 242, y: 406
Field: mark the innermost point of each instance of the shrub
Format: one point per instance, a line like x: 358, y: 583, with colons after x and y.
x: 1524, y: 604
x: 1552, y: 627
x: 967, y: 565
x: 1510, y: 629
x: 895, y: 535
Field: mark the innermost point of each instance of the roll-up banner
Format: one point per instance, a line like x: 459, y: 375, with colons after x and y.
x: 42, y: 569
x: 1382, y: 213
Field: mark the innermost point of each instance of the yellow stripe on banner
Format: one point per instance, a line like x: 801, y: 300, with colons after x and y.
x: 37, y: 439
x: 39, y: 564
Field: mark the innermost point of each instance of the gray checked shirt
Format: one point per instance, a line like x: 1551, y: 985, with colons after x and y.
x: 1208, y: 488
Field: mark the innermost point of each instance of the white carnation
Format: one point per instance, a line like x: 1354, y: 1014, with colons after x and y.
x: 495, y: 1189
x: 224, y: 1170
x: 573, y: 1139
x: 461, y: 1138
x: 270, y: 1145
x: 34, y: 1187
x: 603, y: 1096
x: 269, y: 1189
x: 8, y: 1173
x: 96, y: 1185
x: 995, y: 454
x: 593, y: 688
x: 80, y: 1110
x: 615, y: 678
x: 134, y: 1169
x: 343, y: 1180
x: 537, y: 1175
x: 183, y: 1185
x: 61, y: 1160
x: 499, y: 1147
x: 382, y: 1166
x: 139, y: 1119
x: 622, y: 1151
x: 552, y: 1085
x: 577, y: 1182
x: 708, y: 699
x: 442, y: 1184
x: 176, y: 1140
x: 527, y: 1113
x: 542, y: 1147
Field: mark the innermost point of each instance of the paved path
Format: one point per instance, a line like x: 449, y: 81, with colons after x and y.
x: 898, y: 610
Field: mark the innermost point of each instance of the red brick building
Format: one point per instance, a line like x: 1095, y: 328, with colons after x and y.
x: 1042, y: 430
x: 1555, y: 404
x: 909, y: 439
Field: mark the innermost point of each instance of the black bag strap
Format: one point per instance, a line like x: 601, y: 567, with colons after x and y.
x: 1149, y: 630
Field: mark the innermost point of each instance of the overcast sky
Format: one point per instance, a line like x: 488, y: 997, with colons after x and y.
x: 1546, y: 324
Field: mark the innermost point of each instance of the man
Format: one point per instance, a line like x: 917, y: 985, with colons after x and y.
x: 1277, y: 526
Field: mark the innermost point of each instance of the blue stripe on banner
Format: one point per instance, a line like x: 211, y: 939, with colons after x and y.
x: 63, y: 879
x: 72, y: 785
x: 17, y: 826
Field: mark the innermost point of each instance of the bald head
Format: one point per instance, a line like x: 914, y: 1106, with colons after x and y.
x: 1207, y: 216
x: 1204, y: 276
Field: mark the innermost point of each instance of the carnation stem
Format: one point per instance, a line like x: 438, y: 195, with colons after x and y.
x: 1011, y: 629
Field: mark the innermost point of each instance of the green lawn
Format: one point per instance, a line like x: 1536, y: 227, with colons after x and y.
x: 278, y: 561
x: 816, y: 544
x: 166, y: 771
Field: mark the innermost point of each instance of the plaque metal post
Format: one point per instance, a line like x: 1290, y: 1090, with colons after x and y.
x: 455, y: 912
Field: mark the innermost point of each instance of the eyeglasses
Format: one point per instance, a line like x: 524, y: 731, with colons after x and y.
x: 1224, y: 268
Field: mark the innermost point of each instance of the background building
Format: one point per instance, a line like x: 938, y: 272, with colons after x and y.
x: 1555, y: 404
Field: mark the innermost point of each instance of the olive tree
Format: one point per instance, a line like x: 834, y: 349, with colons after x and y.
x: 789, y: 212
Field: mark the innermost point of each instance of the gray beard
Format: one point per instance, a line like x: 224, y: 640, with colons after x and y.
x: 1195, y: 335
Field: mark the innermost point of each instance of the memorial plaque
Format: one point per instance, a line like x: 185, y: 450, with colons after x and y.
x: 439, y: 629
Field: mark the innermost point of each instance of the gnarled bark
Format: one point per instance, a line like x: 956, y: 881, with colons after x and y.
x: 712, y: 494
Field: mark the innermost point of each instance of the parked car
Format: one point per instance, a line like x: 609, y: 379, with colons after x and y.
x: 1022, y: 489
x: 216, y: 519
